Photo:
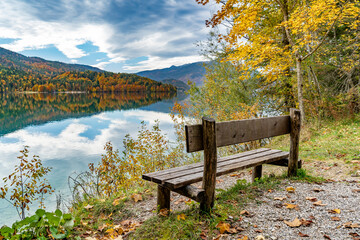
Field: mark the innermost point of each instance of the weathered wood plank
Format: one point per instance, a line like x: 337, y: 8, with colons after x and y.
x: 221, y: 162
x: 192, y: 192
x: 163, y: 198
x: 210, y: 161
x: 295, y: 120
x: 189, y: 179
x: 233, y: 132
x: 150, y: 176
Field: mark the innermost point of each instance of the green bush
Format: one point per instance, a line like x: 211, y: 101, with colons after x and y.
x: 42, y: 225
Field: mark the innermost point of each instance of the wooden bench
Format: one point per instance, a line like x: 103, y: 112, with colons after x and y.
x: 210, y: 135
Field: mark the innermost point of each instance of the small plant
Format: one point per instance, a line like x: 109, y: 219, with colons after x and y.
x: 42, y: 225
x: 26, y: 184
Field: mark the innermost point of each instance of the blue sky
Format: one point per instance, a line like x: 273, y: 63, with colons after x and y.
x: 115, y: 35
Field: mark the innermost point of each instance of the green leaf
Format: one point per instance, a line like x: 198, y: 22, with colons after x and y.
x: 67, y: 216
x: 58, y: 213
x: 6, y: 231
x: 40, y: 212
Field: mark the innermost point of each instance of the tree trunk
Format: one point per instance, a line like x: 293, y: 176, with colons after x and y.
x: 300, y: 80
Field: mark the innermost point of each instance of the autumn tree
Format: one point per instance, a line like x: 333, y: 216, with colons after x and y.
x: 278, y: 37
x: 26, y: 184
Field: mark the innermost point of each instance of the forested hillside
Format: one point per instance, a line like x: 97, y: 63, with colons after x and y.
x: 193, y: 72
x: 20, y: 73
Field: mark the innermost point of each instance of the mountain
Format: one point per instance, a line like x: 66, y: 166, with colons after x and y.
x: 194, y: 72
x: 181, y: 86
x: 19, y: 73
x: 9, y: 59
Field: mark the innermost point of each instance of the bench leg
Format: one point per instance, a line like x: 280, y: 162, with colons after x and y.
x: 163, y: 198
x: 257, y: 172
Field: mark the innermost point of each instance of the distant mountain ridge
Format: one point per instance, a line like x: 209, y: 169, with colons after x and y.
x: 181, y: 86
x: 194, y: 72
x: 19, y: 73
x: 10, y: 59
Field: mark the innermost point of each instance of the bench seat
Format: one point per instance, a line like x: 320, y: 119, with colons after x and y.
x: 181, y: 176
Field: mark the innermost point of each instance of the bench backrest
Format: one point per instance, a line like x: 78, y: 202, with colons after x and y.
x: 238, y: 131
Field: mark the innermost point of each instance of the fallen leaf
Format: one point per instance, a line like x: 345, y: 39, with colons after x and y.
x: 354, y: 235
x: 279, y: 198
x: 243, y: 238
x: 240, y: 229
x: 295, y: 223
x: 223, y: 227
x: 292, y: 206
x: 181, y: 217
x: 290, y: 189
x: 118, y: 238
x: 102, y: 227
x: 136, y: 197
x: 260, y: 237
x: 179, y: 201
x: 319, y: 203
x: 219, y: 181
x: 164, y: 212
x: 245, y: 213
x: 312, y: 199
x: 335, y: 218
x: 233, y: 230
x: 188, y: 201
x: 351, y: 225
x: 270, y: 190
x: 88, y: 207
x: 327, y: 237
x: 306, y: 223
x: 335, y: 211
x: 90, y: 238
x: 258, y: 231
x: 318, y: 190
x: 303, y: 235
x: 101, y: 200
x: 356, y: 190
x: 116, y: 202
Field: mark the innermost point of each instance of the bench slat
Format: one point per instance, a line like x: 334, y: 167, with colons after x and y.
x: 189, y: 179
x: 221, y: 162
x: 239, y: 131
x: 150, y: 176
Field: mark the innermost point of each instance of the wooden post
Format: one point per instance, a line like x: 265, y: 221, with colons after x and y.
x: 295, y: 123
x: 163, y: 198
x: 210, y: 161
x: 256, y: 172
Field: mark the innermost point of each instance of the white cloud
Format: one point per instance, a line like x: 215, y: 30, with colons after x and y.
x: 157, y: 63
x: 166, y: 37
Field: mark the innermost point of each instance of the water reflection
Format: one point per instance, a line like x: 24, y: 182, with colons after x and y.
x: 84, y: 124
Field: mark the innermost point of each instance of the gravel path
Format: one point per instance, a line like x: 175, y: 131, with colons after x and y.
x: 269, y: 212
x: 322, y: 218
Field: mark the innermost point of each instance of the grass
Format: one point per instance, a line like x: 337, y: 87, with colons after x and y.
x: 333, y: 142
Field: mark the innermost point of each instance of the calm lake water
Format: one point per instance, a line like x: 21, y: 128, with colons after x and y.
x: 69, y: 131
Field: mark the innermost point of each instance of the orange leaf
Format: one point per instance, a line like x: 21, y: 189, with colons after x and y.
x: 295, y: 223
x: 223, y: 227
x: 335, y: 218
x: 181, y: 217
x: 292, y: 206
x: 136, y: 197
x: 335, y: 211
x: 303, y: 235
x: 290, y: 189
x: 319, y: 203
x: 312, y: 199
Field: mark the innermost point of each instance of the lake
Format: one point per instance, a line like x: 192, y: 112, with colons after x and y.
x: 69, y: 130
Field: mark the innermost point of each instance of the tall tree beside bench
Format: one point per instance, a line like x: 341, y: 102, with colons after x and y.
x: 208, y: 136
